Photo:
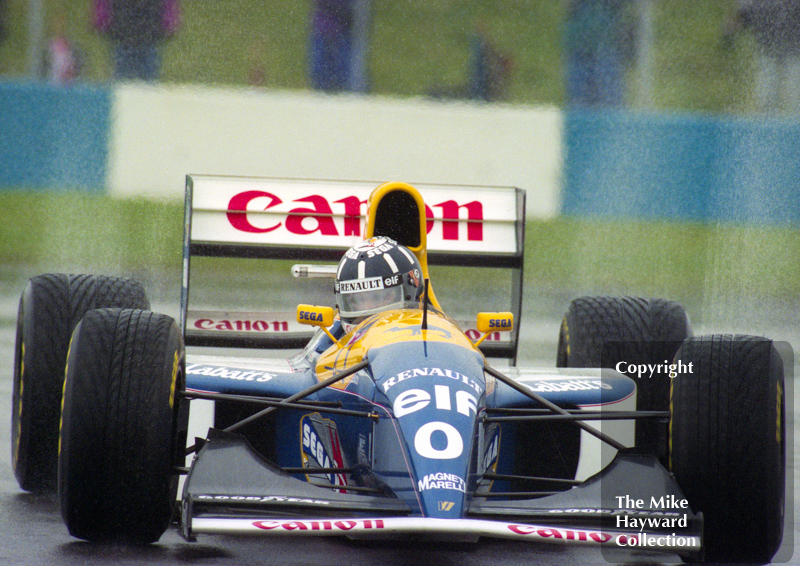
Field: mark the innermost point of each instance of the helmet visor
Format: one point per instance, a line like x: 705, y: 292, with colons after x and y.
x: 352, y: 305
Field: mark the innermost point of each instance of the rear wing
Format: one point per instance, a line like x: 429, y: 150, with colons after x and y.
x: 305, y: 220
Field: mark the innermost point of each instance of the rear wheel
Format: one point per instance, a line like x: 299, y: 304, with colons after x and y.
x: 123, y: 427
x: 49, y: 309
x: 603, y: 331
x: 727, y: 439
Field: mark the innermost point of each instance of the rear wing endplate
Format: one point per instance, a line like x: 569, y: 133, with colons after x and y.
x: 311, y: 220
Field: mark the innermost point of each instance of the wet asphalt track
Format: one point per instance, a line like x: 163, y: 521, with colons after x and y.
x: 31, y: 531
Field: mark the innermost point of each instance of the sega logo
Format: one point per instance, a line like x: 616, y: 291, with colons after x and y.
x: 312, y: 316
x: 502, y: 323
x: 319, y: 216
x: 315, y: 447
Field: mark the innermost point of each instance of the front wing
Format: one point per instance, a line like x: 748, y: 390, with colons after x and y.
x: 232, y: 490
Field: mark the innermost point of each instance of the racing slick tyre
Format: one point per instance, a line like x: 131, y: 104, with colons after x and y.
x: 727, y: 439
x: 123, y: 426
x: 604, y: 331
x: 49, y: 309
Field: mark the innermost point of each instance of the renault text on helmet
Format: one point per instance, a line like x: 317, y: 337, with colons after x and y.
x: 376, y: 275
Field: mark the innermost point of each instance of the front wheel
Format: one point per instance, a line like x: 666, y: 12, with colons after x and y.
x: 49, y: 309
x: 122, y: 426
x: 727, y: 438
x: 604, y: 331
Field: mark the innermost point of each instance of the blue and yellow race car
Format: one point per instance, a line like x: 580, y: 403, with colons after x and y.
x: 395, y: 419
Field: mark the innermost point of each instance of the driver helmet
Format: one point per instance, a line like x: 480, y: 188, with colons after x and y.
x: 376, y: 275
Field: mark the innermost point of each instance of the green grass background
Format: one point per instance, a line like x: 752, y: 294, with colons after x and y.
x: 700, y: 264
x: 416, y: 45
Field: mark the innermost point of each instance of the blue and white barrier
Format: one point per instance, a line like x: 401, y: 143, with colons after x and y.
x: 52, y: 136
x: 671, y: 166
x: 140, y: 140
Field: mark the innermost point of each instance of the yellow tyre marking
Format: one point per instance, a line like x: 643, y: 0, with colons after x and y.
x: 18, y: 423
x: 174, y: 381
x: 63, y: 393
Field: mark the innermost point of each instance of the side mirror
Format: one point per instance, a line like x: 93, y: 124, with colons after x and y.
x: 313, y: 315
x: 489, y: 322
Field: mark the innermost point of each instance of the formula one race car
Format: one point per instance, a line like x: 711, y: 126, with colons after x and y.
x: 395, y: 419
